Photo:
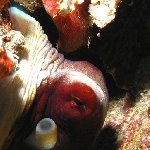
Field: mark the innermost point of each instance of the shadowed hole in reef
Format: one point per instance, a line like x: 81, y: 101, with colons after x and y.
x: 106, y: 139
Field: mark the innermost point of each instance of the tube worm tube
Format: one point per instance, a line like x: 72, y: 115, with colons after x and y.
x: 45, y: 135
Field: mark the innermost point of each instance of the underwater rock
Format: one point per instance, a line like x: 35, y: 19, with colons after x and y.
x: 123, y: 45
x: 132, y: 124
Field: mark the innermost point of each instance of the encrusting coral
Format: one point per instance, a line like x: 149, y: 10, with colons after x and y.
x: 11, y: 43
x: 132, y: 123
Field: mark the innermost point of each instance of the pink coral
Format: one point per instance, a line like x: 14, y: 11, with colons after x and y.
x: 133, y: 125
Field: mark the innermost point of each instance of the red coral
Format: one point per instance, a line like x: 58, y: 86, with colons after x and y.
x: 72, y: 26
x: 72, y: 30
x: 2, y: 3
x: 73, y: 18
x: 51, y: 6
x: 6, y: 64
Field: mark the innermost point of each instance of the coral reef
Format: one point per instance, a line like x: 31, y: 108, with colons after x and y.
x: 11, y: 43
x: 74, y: 18
x: 132, y: 123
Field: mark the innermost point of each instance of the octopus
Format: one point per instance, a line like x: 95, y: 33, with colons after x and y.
x: 66, y: 100
x: 49, y: 102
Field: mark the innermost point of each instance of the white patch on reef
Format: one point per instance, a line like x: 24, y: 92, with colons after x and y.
x: 67, y: 6
x: 102, y: 11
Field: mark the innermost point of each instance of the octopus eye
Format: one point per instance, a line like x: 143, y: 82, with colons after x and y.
x: 78, y: 102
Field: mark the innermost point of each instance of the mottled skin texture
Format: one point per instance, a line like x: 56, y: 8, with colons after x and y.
x: 73, y: 105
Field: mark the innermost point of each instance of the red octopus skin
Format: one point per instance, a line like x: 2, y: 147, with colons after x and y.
x: 73, y: 105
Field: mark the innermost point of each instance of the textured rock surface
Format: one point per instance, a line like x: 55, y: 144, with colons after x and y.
x: 131, y: 123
